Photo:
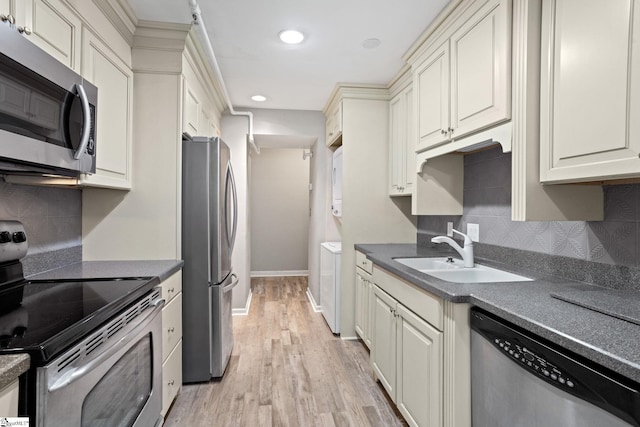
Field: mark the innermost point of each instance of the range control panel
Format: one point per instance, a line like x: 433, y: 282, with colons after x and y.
x: 13, y: 241
x: 533, y: 362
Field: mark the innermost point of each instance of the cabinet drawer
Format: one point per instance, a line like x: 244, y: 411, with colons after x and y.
x: 171, y: 287
x: 171, y: 325
x: 171, y: 377
x: 422, y: 303
x: 363, y: 262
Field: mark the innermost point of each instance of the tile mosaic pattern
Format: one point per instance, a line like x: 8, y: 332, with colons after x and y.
x: 52, y: 218
x: 487, y: 202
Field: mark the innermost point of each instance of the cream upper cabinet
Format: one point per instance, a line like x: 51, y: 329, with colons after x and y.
x: 191, y: 116
x: 590, y: 90
x: 402, y: 144
x: 114, y: 80
x: 431, y: 80
x: 463, y: 84
x: 334, y: 126
x: 54, y: 27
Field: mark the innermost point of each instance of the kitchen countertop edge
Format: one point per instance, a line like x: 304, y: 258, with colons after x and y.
x: 563, y: 324
x: 161, y: 269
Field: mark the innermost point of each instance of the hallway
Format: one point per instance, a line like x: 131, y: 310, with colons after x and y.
x: 287, y: 369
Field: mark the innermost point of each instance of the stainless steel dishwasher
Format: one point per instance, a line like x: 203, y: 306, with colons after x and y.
x: 519, y: 379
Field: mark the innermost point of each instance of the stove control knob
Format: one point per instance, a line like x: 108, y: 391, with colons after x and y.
x: 5, y: 237
x: 19, y: 237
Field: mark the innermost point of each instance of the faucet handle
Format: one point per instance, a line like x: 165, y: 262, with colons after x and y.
x: 467, y: 239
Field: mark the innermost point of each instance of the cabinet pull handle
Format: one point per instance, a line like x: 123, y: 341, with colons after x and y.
x: 442, y: 131
x: 171, y: 329
x: 171, y: 289
x: 24, y: 30
x: 451, y: 130
x: 172, y: 382
x: 8, y: 18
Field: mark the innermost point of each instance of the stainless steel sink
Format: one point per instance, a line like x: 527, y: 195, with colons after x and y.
x: 456, y: 272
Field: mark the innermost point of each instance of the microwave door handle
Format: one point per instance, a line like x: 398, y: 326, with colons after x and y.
x: 81, y: 371
x: 86, y: 125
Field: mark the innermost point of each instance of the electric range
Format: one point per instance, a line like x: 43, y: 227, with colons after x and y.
x: 45, y: 318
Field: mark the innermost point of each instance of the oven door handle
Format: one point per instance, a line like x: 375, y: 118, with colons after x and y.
x: 80, y: 371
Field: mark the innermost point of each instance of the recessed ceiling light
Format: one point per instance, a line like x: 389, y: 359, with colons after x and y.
x: 259, y: 98
x: 291, y: 36
x: 371, y: 43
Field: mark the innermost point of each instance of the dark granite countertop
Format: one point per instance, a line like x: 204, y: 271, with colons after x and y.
x: 11, y: 367
x: 606, y: 340
x: 109, y: 269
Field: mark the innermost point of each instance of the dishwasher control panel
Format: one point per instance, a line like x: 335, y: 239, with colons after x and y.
x: 532, y: 361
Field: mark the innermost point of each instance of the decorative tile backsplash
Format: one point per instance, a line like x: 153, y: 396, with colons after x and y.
x: 487, y: 202
x: 52, y: 218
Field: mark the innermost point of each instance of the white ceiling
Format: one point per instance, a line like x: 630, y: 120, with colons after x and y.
x: 244, y: 35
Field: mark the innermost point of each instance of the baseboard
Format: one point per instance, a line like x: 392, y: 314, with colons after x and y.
x: 244, y: 311
x: 287, y: 273
x: 317, y: 308
x: 349, y: 338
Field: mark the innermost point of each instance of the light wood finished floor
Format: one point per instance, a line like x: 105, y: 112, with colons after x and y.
x: 287, y: 369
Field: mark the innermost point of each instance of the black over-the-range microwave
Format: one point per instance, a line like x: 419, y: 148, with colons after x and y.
x: 47, y: 111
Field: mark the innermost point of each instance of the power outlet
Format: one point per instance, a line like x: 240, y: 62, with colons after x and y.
x: 450, y: 229
x: 473, y: 231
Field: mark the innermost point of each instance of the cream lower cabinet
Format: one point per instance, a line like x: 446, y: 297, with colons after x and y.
x: 364, y: 268
x: 419, y: 352
x: 9, y: 400
x: 407, y: 359
x: 590, y: 90
x: 462, y: 82
x: 114, y: 79
x: 171, y: 340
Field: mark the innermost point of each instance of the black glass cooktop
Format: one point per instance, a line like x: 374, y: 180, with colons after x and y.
x: 56, y: 314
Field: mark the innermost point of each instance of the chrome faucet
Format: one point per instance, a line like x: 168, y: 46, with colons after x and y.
x: 466, y: 252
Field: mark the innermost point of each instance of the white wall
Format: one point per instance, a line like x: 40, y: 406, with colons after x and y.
x: 321, y: 228
x: 279, y: 200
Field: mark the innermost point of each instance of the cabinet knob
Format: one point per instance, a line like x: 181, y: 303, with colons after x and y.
x: 24, y: 30
x: 450, y: 130
x: 8, y: 18
x: 442, y: 131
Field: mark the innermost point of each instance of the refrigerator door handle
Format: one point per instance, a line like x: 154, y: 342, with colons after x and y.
x: 234, y: 282
x: 231, y: 180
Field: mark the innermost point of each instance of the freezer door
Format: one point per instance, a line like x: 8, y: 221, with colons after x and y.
x: 221, y: 326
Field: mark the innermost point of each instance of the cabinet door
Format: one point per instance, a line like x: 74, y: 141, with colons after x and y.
x: 191, y: 112
x: 9, y: 400
x: 410, y: 141
x: 590, y: 90
x: 171, y: 377
x: 363, y: 297
x: 396, y: 144
x: 171, y: 325
x: 55, y: 29
x: 383, y: 340
x: 114, y: 80
x: 431, y: 81
x: 419, y: 370
x: 480, y: 69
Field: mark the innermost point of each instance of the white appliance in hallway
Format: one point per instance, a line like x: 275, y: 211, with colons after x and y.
x: 330, y: 253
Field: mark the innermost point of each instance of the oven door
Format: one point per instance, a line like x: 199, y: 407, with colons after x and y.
x: 111, y: 378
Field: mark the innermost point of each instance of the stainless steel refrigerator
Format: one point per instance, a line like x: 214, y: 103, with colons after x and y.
x: 209, y: 222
